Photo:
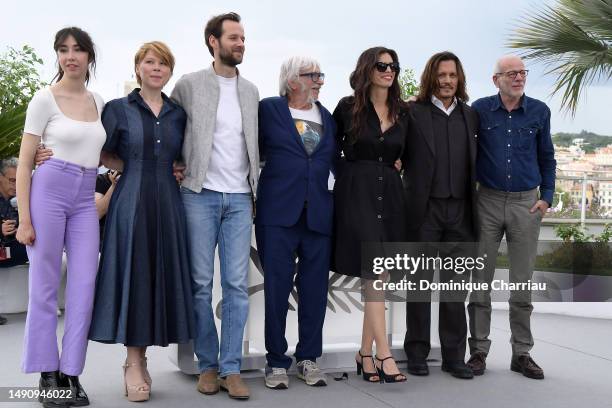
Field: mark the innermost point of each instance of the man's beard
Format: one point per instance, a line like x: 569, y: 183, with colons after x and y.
x: 311, y: 98
x: 447, y: 88
x: 228, y: 58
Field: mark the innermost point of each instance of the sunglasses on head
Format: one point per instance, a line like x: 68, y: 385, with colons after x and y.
x: 382, y: 66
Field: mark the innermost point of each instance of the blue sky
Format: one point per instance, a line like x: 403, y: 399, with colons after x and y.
x: 334, y: 32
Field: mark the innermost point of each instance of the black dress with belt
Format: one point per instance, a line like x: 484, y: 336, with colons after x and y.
x: 368, y: 193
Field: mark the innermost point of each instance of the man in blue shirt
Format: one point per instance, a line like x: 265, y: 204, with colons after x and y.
x: 516, y: 173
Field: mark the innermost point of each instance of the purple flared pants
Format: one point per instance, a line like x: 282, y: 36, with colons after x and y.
x: 63, y: 213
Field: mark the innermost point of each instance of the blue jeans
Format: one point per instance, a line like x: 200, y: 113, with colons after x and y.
x: 223, y: 219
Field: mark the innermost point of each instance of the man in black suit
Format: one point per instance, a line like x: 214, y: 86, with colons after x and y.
x: 439, y: 177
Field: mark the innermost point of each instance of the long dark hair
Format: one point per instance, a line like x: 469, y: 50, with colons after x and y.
x: 429, y: 79
x: 85, y: 43
x: 361, y: 82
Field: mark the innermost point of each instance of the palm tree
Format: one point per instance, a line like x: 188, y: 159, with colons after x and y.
x: 574, y: 40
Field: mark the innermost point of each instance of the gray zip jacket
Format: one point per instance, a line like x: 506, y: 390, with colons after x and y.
x: 198, y: 93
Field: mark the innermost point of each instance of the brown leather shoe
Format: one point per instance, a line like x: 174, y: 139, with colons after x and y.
x: 208, y: 383
x: 235, y: 387
x: 478, y: 363
x: 526, y: 366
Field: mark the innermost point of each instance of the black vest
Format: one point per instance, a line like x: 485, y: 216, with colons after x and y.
x: 451, y: 172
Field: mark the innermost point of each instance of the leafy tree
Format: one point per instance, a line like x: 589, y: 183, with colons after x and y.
x: 20, y: 80
x: 572, y: 38
x: 408, y: 84
x: 571, y: 233
x: 592, y: 141
x: 606, y: 234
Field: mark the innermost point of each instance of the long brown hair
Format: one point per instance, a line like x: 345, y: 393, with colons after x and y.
x: 361, y: 82
x: 84, y: 42
x: 429, y: 79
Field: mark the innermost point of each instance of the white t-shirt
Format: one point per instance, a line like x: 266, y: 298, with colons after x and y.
x: 309, y: 125
x: 228, y: 169
x: 310, y: 128
x: 74, y: 141
x: 312, y: 115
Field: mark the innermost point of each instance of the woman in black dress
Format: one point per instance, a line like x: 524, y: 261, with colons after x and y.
x: 368, y: 193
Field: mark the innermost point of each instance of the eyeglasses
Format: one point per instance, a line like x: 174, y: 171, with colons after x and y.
x: 513, y: 74
x: 10, y: 179
x: 314, y: 76
x: 382, y: 66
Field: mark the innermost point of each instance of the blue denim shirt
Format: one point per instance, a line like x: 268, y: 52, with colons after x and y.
x: 515, y: 151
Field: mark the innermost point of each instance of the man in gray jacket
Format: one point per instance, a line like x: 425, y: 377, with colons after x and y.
x: 220, y: 181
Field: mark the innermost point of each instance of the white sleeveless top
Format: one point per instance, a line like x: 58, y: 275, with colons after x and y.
x: 74, y: 141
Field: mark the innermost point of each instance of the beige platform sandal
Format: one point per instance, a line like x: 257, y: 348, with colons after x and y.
x: 135, y: 393
x: 147, y: 376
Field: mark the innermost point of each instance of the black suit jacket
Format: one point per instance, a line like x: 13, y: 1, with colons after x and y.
x: 418, y: 161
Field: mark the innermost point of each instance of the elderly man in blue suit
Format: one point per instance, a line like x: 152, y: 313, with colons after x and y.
x: 294, y: 217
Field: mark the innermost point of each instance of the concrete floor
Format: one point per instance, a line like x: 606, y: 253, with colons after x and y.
x: 574, y: 352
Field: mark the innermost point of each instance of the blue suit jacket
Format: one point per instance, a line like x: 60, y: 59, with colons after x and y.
x: 290, y: 176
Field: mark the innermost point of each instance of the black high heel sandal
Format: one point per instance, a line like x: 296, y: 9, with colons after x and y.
x: 388, y: 378
x: 360, y: 371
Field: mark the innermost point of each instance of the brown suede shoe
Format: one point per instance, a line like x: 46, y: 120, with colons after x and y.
x: 235, y: 387
x: 526, y: 366
x: 208, y: 383
x: 478, y: 363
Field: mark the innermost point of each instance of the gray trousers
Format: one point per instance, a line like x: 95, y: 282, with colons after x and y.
x: 498, y: 213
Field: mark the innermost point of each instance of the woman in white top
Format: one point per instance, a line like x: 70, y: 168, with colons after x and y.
x: 56, y: 211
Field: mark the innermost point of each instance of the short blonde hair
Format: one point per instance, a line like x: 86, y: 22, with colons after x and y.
x: 158, y: 48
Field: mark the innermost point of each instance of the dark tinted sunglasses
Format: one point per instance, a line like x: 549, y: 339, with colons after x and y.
x: 314, y: 76
x: 382, y: 66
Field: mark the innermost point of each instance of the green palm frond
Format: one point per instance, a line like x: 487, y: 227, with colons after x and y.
x: 596, y: 15
x: 574, y: 40
x: 11, y: 128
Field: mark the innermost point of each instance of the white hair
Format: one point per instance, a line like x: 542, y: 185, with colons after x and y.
x: 497, y: 69
x: 8, y: 163
x: 290, y: 70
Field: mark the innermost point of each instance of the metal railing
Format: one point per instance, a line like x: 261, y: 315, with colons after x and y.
x: 584, y: 177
